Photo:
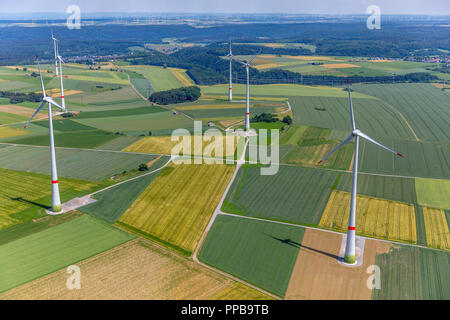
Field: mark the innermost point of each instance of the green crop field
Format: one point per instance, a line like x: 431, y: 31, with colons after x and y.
x: 373, y: 116
x: 100, y: 98
x: 27, y: 190
x: 420, y: 159
x: 261, y: 253
x: 69, y: 139
x: 413, y: 273
x: 226, y: 112
x: 433, y: 193
x: 423, y: 105
x: 280, y: 90
x: 47, y: 251
x: 120, y: 112
x: 310, y: 144
x: 385, y: 187
x: 113, y: 202
x: 294, y: 194
x: 62, y: 125
x: 81, y: 164
x: 161, y: 79
x: 118, y: 144
x: 6, y: 117
x: 160, y: 121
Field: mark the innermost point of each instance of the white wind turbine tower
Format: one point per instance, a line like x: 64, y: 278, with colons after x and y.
x: 356, y: 133
x: 56, y: 202
x: 230, y: 88
x: 247, y: 110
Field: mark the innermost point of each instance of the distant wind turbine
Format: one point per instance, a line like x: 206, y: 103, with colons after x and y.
x: 59, y: 61
x: 356, y: 133
x: 230, y: 88
x: 247, y: 110
x: 56, y: 202
x: 55, y: 46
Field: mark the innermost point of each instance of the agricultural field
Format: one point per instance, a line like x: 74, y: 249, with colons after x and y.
x: 157, y: 123
x: 318, y: 275
x: 182, y: 76
x: 410, y: 100
x: 165, y: 145
x: 178, y: 204
x: 293, y: 200
x: 25, y: 192
x: 377, y: 218
x: 437, y: 229
x: 91, y: 165
x: 47, y: 251
x: 8, y: 132
x: 113, y: 202
x: 310, y: 144
x: 374, y: 117
x: 413, y: 273
x: 137, y: 269
x: 433, y: 192
x: 267, y: 258
x: 420, y: 159
x: 161, y: 79
x: 278, y: 90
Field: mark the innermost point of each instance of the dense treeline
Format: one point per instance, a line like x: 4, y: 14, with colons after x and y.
x: 349, y: 38
x: 16, y: 97
x: 206, y: 67
x: 179, y: 95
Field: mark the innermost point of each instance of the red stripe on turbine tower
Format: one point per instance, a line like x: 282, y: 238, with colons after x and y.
x: 62, y: 97
x: 54, y: 181
x: 351, y: 228
x: 247, y: 113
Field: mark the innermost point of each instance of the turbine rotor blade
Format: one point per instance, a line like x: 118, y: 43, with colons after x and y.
x: 347, y: 140
x: 35, y: 113
x: 254, y: 57
x: 42, y: 82
x: 352, y: 117
x: 365, y: 136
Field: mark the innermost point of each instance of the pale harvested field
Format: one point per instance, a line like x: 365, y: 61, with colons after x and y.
x: 7, y: 132
x: 308, y: 58
x: 22, y: 111
x: 318, y: 275
x: 164, y: 145
x: 211, y: 106
x: 176, y: 207
x: 436, y: 227
x: 56, y: 93
x: 374, y: 217
x: 182, y: 76
x: 136, y: 270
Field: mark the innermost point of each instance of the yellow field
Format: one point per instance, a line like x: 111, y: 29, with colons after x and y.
x: 308, y: 58
x: 26, y: 188
x: 178, y: 204
x: 164, y: 145
x: 21, y: 111
x: 438, y: 234
x: 137, y: 269
x: 56, y: 92
x: 181, y: 76
x: 21, y: 67
x: 7, y: 132
x: 340, y: 65
x: 374, y: 217
x: 211, y: 106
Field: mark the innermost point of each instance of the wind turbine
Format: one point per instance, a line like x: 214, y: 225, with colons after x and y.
x: 56, y: 202
x: 58, y: 62
x: 55, y: 46
x: 230, y: 88
x: 247, y: 110
x: 356, y: 133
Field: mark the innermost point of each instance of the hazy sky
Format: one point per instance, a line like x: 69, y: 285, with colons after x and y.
x: 230, y: 6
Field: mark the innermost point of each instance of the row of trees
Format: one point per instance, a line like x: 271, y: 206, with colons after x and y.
x: 179, y: 95
x: 17, y: 97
